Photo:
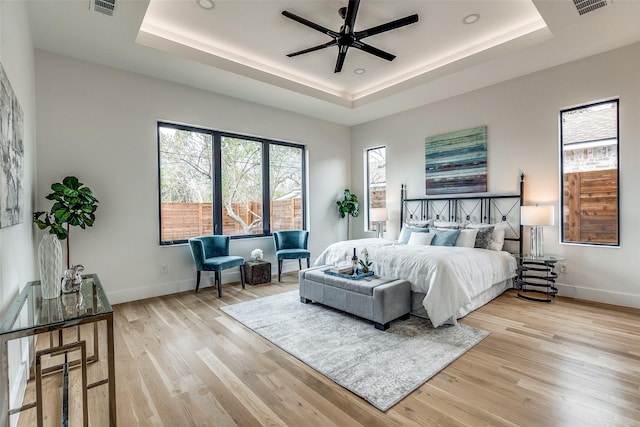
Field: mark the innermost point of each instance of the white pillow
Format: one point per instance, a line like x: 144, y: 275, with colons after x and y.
x: 420, y: 239
x: 497, y: 241
x: 419, y: 223
x: 467, y: 238
x: 499, y: 230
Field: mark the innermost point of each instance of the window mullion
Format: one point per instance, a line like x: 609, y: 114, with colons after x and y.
x: 216, y: 206
x: 266, y: 189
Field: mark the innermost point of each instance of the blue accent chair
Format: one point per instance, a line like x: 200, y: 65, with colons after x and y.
x: 291, y: 244
x: 211, y: 253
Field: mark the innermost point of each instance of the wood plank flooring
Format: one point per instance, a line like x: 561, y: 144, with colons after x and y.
x: 180, y: 361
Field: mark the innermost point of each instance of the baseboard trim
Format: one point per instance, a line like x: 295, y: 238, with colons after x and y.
x: 167, y: 288
x: 599, y: 295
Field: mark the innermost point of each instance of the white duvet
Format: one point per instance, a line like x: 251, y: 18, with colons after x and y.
x: 449, y: 276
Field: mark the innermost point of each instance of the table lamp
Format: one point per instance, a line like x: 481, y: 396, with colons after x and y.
x: 378, y: 215
x: 536, y: 217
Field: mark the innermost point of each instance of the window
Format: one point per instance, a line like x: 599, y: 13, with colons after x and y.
x: 589, y: 161
x: 376, y: 170
x: 219, y: 183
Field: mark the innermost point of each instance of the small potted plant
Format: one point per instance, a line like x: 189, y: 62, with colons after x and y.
x: 364, y: 262
x: 256, y: 255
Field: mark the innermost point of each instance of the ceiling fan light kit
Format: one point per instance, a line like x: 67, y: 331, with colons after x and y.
x: 347, y: 36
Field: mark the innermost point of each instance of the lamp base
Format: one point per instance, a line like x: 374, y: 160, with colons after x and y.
x: 537, y: 242
x: 379, y: 230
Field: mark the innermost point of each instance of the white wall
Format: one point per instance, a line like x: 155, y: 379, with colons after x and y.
x: 99, y: 124
x: 17, y: 242
x: 522, y: 119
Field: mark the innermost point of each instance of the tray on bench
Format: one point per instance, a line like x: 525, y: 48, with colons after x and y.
x: 350, y: 276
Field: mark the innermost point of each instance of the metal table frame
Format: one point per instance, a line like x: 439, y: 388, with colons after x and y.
x: 10, y: 330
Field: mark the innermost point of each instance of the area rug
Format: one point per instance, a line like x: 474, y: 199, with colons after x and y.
x: 382, y: 367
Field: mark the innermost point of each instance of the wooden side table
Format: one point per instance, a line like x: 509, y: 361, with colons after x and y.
x: 257, y: 272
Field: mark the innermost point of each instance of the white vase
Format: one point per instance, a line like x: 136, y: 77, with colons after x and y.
x: 50, y: 259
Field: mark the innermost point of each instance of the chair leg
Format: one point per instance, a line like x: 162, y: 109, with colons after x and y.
x: 197, y: 280
x: 300, y: 263
x: 308, y: 263
x: 279, y: 269
x: 242, y: 278
x: 219, y: 283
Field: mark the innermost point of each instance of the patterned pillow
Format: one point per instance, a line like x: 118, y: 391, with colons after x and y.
x: 499, y: 231
x: 484, y: 238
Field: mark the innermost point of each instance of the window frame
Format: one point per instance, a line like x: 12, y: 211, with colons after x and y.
x: 216, y: 159
x: 368, y: 225
x: 562, y: 179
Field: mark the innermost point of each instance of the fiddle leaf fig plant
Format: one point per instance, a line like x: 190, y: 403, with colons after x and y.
x: 73, y: 205
x: 348, y: 206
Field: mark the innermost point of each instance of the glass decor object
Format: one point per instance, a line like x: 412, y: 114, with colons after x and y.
x: 536, y: 217
x: 50, y: 260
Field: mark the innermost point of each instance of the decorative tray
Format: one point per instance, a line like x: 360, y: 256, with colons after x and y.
x: 350, y: 276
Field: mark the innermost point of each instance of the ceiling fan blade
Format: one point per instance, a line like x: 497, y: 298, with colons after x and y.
x: 350, y: 17
x: 342, y: 54
x: 407, y: 20
x: 310, y: 24
x: 313, y: 49
x: 373, y: 50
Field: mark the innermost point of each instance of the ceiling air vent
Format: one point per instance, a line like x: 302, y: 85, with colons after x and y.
x: 103, y: 6
x: 586, y: 6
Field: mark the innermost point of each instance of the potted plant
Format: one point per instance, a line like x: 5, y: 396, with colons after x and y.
x: 348, y: 206
x: 74, y: 205
x: 364, y: 262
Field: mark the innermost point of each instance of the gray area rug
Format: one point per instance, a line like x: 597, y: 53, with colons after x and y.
x: 381, y: 367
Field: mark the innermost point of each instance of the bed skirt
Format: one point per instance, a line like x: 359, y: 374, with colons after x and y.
x: 417, y: 309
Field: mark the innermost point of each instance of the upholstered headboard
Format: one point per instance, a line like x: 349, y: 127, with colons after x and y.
x: 484, y: 208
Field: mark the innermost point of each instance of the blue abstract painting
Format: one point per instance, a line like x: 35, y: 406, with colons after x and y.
x: 456, y: 162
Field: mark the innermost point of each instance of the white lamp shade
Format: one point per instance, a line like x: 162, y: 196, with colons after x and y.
x: 537, y: 215
x: 378, y: 214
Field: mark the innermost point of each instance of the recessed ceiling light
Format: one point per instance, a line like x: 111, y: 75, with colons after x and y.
x: 471, y: 19
x: 359, y: 71
x: 205, y: 4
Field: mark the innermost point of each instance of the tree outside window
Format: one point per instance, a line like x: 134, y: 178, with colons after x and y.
x: 213, y: 183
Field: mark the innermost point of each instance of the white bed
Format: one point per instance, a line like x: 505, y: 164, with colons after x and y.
x: 446, y: 282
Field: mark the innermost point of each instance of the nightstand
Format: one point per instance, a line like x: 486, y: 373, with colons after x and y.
x: 536, y: 275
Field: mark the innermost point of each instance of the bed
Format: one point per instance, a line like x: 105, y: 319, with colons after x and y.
x: 447, y: 282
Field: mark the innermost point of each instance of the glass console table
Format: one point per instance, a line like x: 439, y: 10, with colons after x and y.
x: 31, y: 315
x: 537, y: 275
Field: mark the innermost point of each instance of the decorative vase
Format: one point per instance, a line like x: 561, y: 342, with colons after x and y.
x: 50, y: 259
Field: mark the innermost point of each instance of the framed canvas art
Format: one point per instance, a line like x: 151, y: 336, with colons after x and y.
x: 456, y: 162
x: 11, y: 154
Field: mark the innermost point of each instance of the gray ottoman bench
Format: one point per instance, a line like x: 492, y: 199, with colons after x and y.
x: 375, y: 298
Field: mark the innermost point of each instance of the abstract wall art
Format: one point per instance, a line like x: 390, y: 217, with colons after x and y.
x: 11, y: 154
x: 456, y: 162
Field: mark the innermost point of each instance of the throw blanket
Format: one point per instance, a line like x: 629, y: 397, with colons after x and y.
x: 449, y: 276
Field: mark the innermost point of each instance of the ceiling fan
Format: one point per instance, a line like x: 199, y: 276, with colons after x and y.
x: 347, y: 37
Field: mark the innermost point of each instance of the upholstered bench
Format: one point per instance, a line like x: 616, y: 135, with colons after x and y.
x: 375, y: 298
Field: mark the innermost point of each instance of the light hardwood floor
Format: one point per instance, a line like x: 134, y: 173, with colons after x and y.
x: 180, y: 361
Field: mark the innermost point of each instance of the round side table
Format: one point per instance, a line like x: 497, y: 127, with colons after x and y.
x: 536, y: 275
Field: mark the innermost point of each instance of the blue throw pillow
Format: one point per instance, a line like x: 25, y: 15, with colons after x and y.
x: 444, y: 237
x: 405, y: 233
